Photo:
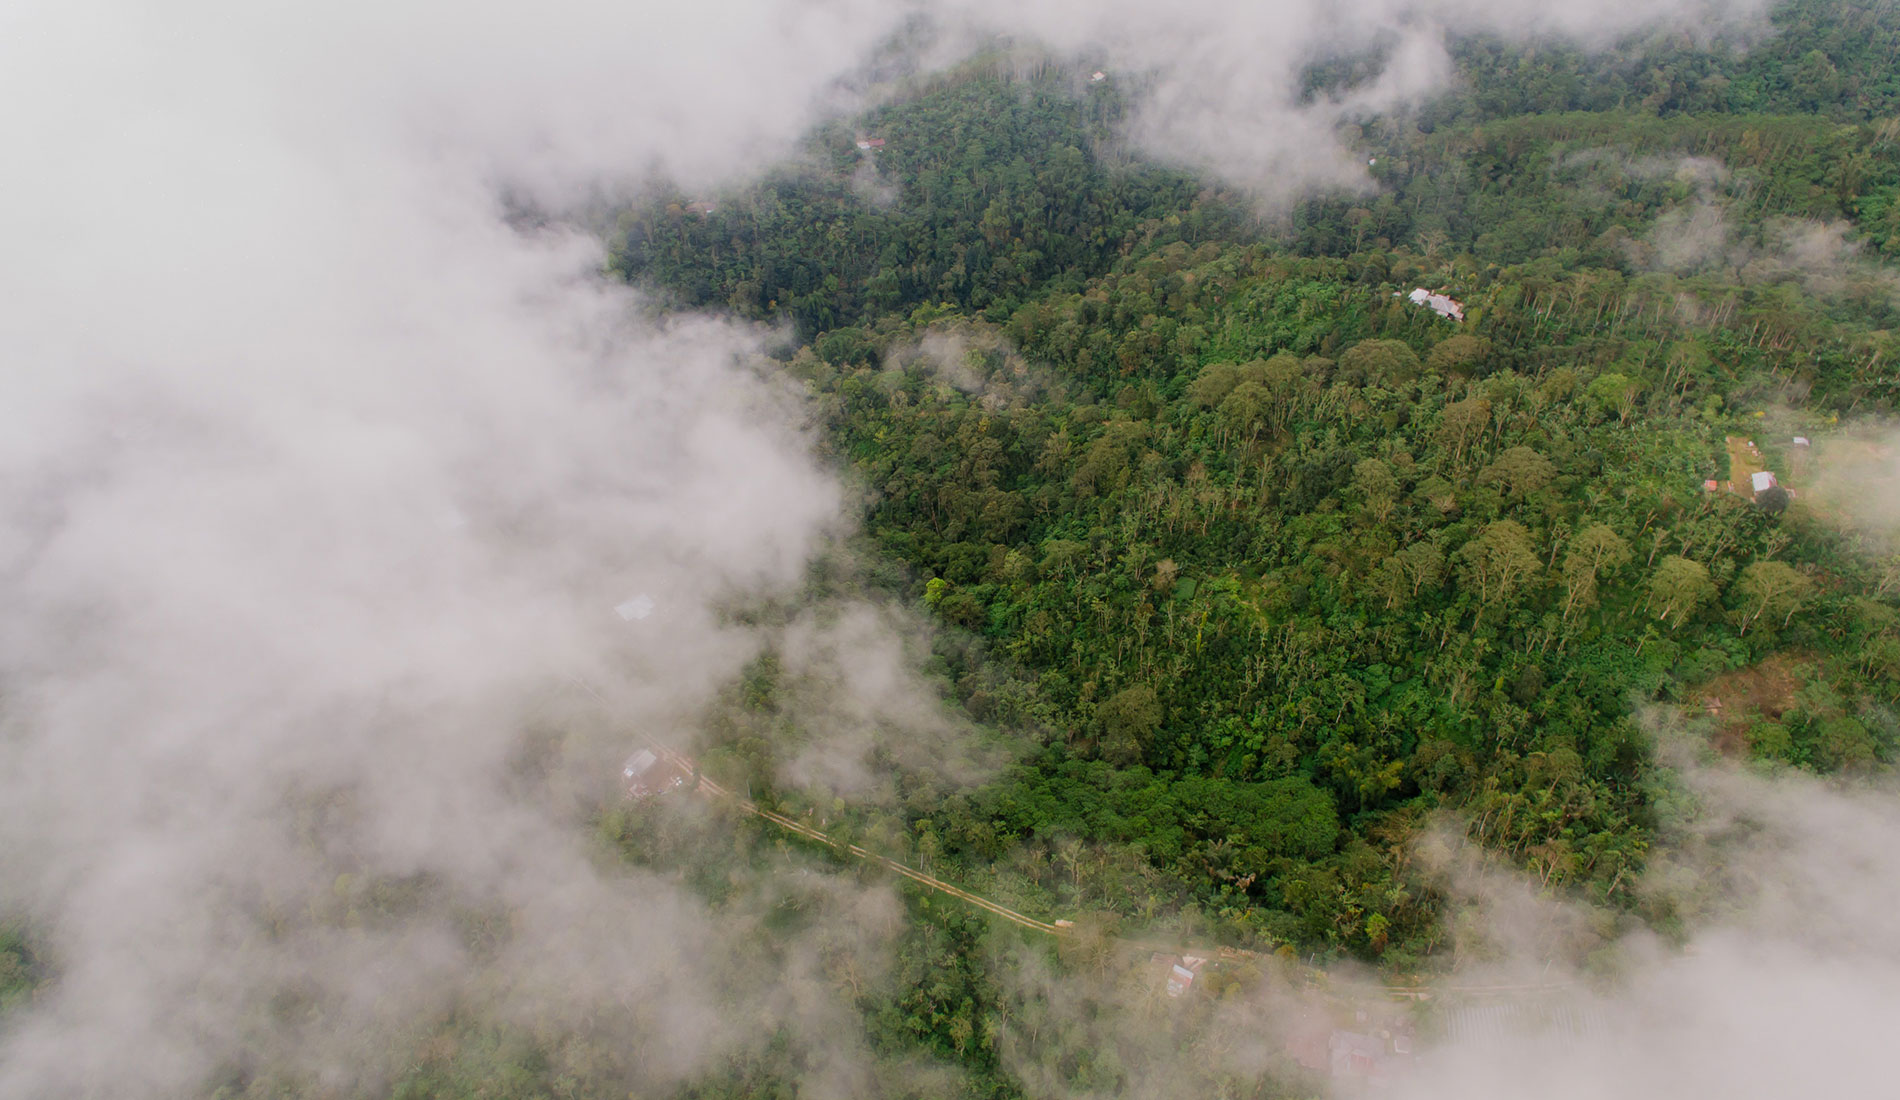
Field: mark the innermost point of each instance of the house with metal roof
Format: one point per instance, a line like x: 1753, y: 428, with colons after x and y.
x: 645, y: 774
x: 1442, y: 304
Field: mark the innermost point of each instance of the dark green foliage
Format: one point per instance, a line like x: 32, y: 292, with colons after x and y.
x: 1273, y: 567
x: 1252, y: 519
x: 21, y: 969
x: 994, y: 194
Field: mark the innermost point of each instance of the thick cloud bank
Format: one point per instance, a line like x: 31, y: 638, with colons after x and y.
x: 319, y: 478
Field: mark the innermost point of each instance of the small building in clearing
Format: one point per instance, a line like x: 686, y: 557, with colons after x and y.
x: 1178, y: 972
x: 1442, y: 304
x: 868, y: 144
x: 1761, y: 481
x: 646, y: 774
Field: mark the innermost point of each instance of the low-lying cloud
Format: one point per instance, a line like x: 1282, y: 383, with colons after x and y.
x: 320, y: 482
x: 1785, y: 987
x: 1219, y: 84
x: 1705, y: 234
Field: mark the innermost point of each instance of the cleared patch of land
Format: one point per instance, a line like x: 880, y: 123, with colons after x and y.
x: 1737, y: 699
x: 1744, y: 461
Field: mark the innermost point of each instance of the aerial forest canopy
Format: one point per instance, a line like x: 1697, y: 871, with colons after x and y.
x: 1270, y: 564
x: 1257, y: 564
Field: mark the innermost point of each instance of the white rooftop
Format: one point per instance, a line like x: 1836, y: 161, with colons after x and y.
x: 637, y: 608
x: 1442, y: 304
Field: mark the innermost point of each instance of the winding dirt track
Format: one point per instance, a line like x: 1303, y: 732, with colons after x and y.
x: 713, y: 790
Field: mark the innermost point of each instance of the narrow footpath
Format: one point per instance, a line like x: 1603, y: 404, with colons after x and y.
x: 717, y: 792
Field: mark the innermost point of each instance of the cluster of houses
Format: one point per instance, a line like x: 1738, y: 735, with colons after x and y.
x: 636, y: 608
x: 1379, y: 1050
x: 1374, y: 1057
x: 646, y: 773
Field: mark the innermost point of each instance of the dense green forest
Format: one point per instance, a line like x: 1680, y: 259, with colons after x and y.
x: 1252, y: 571
x: 1271, y: 568
x: 1259, y: 549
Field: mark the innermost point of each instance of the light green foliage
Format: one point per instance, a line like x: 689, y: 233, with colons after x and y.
x: 1499, y: 560
x: 1678, y: 588
x: 1614, y: 394
x: 1593, y: 550
x: 1377, y: 487
x: 1519, y: 471
x: 1458, y: 353
x: 1213, y: 384
x: 1129, y: 720
x: 1770, y: 588
x: 1462, y: 425
x: 1379, y: 363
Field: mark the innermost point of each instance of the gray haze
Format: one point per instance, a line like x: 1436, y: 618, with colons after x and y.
x: 319, y: 480
x: 1705, y: 234
x: 1223, y: 78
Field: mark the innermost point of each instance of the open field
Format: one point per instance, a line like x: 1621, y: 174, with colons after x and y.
x: 1744, y: 461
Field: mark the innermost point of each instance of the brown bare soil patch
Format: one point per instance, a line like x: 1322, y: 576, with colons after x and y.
x: 1736, y: 699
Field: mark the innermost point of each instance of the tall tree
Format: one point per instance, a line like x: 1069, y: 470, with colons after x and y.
x: 1678, y: 588
x: 1770, y: 587
x: 1593, y: 549
x: 1501, y: 558
x: 1519, y: 471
